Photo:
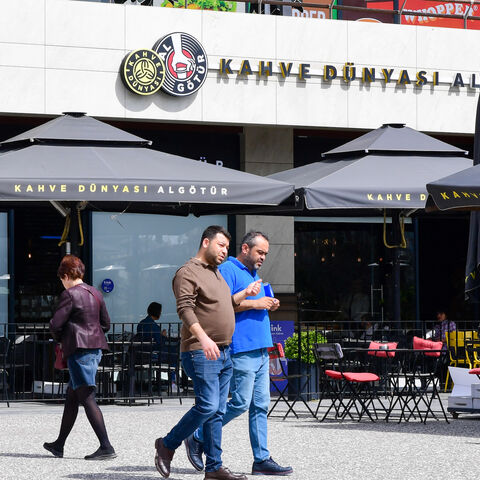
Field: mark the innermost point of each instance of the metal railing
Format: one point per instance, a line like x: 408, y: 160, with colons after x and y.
x: 396, y: 13
x: 136, y: 366
x: 350, y: 335
x: 140, y: 368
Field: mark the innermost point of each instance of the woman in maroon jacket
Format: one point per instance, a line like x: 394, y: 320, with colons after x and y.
x: 79, y: 324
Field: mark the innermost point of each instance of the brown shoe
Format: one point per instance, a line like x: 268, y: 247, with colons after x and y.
x: 223, y: 473
x: 163, y: 458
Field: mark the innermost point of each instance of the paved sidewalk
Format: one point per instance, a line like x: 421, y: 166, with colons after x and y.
x: 316, y: 450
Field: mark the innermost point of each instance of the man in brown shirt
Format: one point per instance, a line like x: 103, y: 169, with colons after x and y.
x: 205, y: 306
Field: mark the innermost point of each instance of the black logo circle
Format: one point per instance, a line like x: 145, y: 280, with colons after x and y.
x: 186, y: 64
x: 143, y: 72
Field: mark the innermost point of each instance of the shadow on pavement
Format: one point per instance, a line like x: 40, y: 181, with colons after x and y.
x: 133, y: 468
x: 144, y: 468
x: 25, y: 455
x: 111, y: 476
x: 129, y: 472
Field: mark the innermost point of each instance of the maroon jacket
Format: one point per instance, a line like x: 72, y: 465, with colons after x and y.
x: 81, y: 319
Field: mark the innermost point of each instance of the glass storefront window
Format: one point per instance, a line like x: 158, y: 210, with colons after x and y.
x: 4, y: 276
x: 343, y: 274
x: 140, y: 253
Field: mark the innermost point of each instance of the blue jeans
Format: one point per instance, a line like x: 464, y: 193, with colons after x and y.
x: 211, y: 379
x: 250, y: 390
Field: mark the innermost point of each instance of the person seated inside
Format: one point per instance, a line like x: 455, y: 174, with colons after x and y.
x: 440, y: 329
x: 148, y: 330
x: 369, y: 328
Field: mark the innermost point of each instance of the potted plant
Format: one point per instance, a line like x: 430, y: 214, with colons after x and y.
x: 302, y: 361
x: 220, y: 5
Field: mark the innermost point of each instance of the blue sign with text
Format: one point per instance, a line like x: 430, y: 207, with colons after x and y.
x: 108, y: 285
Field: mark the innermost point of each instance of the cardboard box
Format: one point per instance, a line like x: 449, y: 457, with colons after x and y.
x: 460, y: 402
x: 49, y: 388
x: 475, y: 389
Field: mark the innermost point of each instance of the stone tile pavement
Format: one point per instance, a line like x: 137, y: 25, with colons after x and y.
x: 328, y: 450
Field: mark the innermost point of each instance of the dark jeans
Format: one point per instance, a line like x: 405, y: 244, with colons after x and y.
x: 211, y: 381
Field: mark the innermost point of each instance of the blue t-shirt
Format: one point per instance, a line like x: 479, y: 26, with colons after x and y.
x: 252, y: 327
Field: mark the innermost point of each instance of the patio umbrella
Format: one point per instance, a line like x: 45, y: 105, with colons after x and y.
x: 462, y: 191
x: 76, y: 162
x: 77, y: 158
x: 386, y: 168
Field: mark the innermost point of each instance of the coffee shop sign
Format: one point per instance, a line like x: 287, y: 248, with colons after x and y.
x: 346, y: 73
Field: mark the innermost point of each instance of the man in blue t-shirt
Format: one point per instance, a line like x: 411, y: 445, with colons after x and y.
x: 250, y: 384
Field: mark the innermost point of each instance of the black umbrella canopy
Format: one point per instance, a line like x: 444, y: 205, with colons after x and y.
x: 74, y: 128
x: 386, y: 168
x: 458, y: 191
x: 461, y: 191
x: 77, y: 158
x: 394, y: 138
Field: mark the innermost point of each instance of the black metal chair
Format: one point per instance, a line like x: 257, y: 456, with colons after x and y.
x: 328, y: 357
x: 159, y: 362
x: 353, y: 390
x: 419, y: 390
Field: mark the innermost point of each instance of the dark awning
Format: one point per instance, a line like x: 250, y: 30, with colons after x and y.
x: 373, y: 181
x: 115, y: 169
x: 394, y: 138
x: 460, y: 190
x: 75, y: 128
x: 353, y: 176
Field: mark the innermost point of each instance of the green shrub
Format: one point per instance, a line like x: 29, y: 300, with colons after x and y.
x: 308, y: 339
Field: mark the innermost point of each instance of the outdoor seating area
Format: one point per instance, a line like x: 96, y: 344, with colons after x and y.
x: 394, y: 379
x: 133, y: 369
x: 397, y: 376
x: 392, y: 384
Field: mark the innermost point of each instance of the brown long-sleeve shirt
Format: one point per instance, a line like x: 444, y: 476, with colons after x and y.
x: 203, y: 297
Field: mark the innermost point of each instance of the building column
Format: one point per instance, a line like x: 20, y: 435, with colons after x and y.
x: 266, y: 151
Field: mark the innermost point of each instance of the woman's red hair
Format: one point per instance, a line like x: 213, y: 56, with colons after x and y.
x: 72, y: 267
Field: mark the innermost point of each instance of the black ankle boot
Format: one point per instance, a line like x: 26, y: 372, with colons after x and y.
x: 54, y: 449
x: 102, y: 454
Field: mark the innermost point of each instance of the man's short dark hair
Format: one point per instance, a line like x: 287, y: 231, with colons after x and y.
x: 154, y: 309
x: 212, y: 231
x: 250, y: 237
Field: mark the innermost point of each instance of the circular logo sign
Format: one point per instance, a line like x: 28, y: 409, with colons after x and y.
x: 185, y: 61
x: 143, y: 72
x: 107, y: 285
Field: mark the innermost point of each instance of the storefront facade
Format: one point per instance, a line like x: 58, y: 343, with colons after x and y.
x: 267, y: 94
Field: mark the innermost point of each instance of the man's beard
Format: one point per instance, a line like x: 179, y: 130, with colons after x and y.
x: 253, y: 265
x: 211, y: 258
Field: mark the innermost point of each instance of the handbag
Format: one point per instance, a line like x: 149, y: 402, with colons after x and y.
x: 60, y: 360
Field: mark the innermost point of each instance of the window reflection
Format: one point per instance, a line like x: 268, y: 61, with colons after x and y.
x: 140, y: 254
x: 343, y: 276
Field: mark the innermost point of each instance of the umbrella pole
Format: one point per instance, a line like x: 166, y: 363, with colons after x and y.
x: 75, y: 234
x: 396, y: 269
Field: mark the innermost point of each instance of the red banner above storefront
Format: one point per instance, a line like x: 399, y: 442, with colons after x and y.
x: 435, y: 8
